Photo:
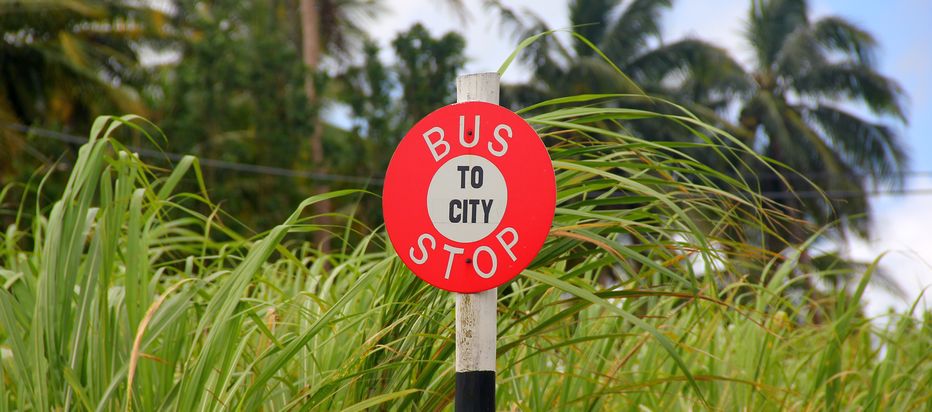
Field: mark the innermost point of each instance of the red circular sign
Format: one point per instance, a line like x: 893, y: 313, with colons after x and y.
x: 469, y: 197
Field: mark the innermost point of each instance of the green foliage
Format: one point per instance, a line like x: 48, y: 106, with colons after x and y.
x: 120, y: 296
x: 426, y: 69
x: 132, y: 290
x: 387, y: 100
x: 62, y: 63
x: 236, y: 94
x: 64, y: 60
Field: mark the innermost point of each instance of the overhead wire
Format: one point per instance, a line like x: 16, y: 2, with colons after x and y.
x: 378, y: 181
x: 214, y: 163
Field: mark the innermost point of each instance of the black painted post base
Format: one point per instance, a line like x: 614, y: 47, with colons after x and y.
x: 475, y: 391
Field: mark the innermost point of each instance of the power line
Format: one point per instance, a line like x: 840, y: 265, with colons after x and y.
x: 842, y: 194
x: 378, y: 181
x: 214, y: 163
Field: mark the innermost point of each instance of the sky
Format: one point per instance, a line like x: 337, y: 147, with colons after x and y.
x: 902, y: 227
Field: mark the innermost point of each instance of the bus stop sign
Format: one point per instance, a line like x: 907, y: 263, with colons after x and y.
x: 469, y: 197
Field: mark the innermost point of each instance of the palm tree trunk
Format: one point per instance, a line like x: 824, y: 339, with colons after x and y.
x: 310, y: 33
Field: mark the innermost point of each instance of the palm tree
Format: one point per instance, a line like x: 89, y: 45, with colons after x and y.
x: 619, y: 35
x: 65, y: 62
x: 330, y: 27
x: 627, y: 33
x: 617, y: 49
x: 795, y: 105
x: 798, y: 110
x: 800, y: 105
x: 327, y: 26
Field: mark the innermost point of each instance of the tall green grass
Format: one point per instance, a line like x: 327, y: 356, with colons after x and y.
x: 125, y: 295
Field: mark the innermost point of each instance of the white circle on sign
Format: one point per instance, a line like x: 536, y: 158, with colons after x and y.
x: 467, y: 198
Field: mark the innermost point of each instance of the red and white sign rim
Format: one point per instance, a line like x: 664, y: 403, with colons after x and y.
x: 469, y: 236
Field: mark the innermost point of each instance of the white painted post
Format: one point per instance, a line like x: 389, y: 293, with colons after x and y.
x: 476, y: 328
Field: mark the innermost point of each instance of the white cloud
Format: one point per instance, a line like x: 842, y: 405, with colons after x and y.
x: 903, y: 230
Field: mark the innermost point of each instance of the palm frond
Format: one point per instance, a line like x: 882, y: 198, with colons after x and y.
x: 875, y: 148
x: 770, y: 23
x: 798, y: 54
x: 343, y: 22
x: 590, y: 19
x: 592, y: 73
x: 837, y: 34
x: 845, y: 194
x: 708, y: 72
x: 510, y: 21
x: 863, y: 84
x: 630, y: 34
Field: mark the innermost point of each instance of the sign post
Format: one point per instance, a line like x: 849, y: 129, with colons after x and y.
x: 468, y: 201
x: 476, y: 321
